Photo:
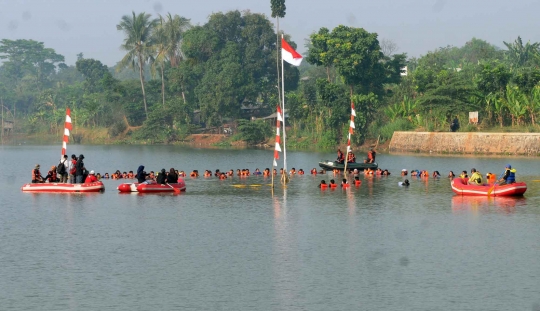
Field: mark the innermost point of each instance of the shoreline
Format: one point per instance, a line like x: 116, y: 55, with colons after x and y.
x: 405, y: 143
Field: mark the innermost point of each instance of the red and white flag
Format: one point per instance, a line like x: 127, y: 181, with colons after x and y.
x: 67, y: 130
x: 351, y: 127
x: 289, y: 55
x: 277, y: 148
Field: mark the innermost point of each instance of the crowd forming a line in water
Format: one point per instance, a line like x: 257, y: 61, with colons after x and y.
x: 70, y: 166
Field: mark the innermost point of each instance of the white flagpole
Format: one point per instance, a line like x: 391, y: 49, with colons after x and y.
x: 283, y: 116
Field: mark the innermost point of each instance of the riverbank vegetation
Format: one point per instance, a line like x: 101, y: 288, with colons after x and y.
x: 178, y: 79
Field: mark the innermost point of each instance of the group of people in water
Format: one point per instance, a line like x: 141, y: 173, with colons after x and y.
x: 74, y: 171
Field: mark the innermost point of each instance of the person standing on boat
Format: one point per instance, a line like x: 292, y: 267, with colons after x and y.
x: 509, y: 176
x: 79, y: 170
x: 476, y: 178
x: 370, y: 156
x: 340, y: 157
x: 63, y: 169
x: 72, y: 168
x: 36, y: 175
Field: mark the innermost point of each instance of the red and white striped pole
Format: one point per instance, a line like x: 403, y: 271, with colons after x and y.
x: 351, y: 131
x: 67, y: 130
x: 277, y: 148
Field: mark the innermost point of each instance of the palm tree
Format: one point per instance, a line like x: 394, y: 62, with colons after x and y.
x: 174, y: 29
x: 138, y: 30
x: 166, y: 39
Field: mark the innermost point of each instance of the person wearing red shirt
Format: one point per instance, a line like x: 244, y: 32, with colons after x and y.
x: 90, y: 178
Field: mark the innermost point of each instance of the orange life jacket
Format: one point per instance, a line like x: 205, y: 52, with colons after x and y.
x: 357, y: 182
x: 324, y: 186
x: 35, y: 174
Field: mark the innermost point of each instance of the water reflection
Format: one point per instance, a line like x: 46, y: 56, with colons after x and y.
x: 486, y: 204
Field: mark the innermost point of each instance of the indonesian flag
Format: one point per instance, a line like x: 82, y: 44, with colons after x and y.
x: 289, y: 55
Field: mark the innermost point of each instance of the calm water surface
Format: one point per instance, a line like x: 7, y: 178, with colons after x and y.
x: 219, y: 247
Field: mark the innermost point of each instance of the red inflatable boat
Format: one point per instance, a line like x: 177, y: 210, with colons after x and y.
x: 60, y: 187
x: 152, y: 187
x: 460, y: 186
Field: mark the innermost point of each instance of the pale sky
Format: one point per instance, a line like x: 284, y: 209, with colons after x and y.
x: 416, y: 26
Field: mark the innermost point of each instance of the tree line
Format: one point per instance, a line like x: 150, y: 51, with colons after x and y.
x: 192, y: 76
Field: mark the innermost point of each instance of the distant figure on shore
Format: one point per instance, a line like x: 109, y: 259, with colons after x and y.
x: 455, y: 125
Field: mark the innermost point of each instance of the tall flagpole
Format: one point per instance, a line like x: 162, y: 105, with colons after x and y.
x: 283, y: 110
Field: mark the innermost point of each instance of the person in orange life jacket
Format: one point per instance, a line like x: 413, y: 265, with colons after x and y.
x: 51, y: 175
x: 509, y: 176
x: 344, y: 183
x: 323, y: 184
x: 340, y: 157
x: 332, y: 184
x: 370, y: 156
x: 222, y: 176
x: 351, y: 158
x: 314, y: 171
x: 172, y: 178
x: 90, y: 178
x: 357, y: 181
x: 301, y: 172
x: 36, y: 175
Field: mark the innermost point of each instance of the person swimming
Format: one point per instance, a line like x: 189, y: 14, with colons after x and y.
x: 405, y: 183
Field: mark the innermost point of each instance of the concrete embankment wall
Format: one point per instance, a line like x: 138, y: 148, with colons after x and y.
x: 471, y: 143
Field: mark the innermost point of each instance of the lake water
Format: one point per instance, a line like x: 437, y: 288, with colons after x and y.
x: 219, y: 247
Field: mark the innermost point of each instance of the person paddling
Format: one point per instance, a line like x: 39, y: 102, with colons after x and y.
x: 509, y: 176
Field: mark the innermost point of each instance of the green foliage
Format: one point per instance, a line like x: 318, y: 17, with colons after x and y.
x: 328, y: 139
x: 357, y: 57
x: 519, y: 55
x: 399, y: 124
x: 278, y: 8
x: 254, y: 132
